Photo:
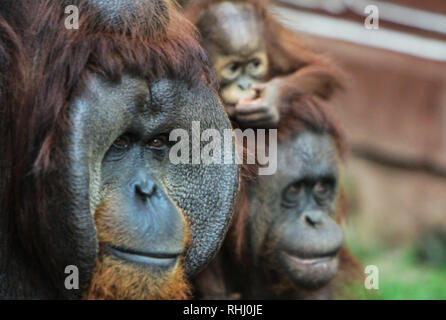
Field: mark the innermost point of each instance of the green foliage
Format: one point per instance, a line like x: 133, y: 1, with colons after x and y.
x: 401, y: 273
x: 430, y: 248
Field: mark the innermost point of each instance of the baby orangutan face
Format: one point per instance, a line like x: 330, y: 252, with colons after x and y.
x: 238, y: 76
x: 234, y: 36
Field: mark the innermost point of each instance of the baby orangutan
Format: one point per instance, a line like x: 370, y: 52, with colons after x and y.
x: 259, y: 63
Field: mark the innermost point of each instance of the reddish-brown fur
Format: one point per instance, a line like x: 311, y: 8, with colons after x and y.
x: 115, y: 280
x: 308, y: 114
x: 310, y: 79
x: 47, y: 65
x: 288, y: 57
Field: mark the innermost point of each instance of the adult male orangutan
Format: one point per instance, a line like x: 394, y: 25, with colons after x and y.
x: 86, y: 181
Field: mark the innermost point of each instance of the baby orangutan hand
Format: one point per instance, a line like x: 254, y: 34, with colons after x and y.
x: 261, y: 112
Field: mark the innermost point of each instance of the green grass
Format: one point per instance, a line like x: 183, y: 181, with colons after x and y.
x: 401, y: 276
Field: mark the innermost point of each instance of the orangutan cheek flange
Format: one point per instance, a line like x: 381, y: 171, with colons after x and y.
x: 85, y: 181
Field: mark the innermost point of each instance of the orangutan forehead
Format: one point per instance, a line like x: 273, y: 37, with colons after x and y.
x: 150, y: 16
x: 308, y: 153
x: 234, y: 27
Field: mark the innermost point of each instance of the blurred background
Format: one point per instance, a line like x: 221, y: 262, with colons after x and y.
x: 394, y: 116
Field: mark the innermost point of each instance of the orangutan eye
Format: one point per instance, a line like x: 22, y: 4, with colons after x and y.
x: 291, y: 193
x: 257, y: 68
x: 233, y: 67
x: 256, y: 63
x: 294, y: 188
x: 323, y: 188
x: 158, y: 142
x: 123, y: 142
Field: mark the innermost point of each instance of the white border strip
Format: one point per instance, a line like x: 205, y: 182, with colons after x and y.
x: 334, y: 28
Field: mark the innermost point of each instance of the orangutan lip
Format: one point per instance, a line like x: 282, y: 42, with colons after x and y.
x: 156, y: 259
x: 310, y: 261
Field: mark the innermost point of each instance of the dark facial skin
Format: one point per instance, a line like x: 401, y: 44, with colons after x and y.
x: 120, y: 208
x: 152, y: 226
x: 235, y: 37
x: 292, y: 236
x: 143, y: 225
x: 105, y: 198
x: 142, y: 201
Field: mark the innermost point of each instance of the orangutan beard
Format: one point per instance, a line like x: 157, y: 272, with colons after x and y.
x: 114, y: 280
